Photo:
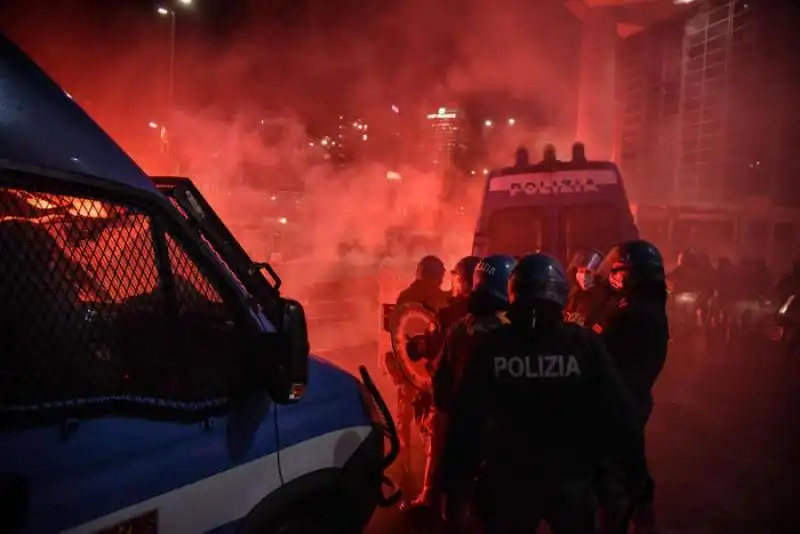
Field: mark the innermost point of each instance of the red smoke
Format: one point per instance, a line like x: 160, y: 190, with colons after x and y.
x: 327, y: 61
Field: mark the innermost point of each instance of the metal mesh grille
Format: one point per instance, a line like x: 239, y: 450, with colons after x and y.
x: 206, y: 329
x: 83, y: 315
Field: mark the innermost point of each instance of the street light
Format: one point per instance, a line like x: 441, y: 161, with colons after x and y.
x: 165, y: 11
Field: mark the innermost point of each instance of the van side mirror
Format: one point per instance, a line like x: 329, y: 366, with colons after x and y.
x: 289, y: 385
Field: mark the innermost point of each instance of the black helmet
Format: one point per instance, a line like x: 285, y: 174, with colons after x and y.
x: 585, y: 258
x: 430, y: 269
x: 464, y: 270
x: 640, y: 260
x: 492, y: 274
x: 538, y: 277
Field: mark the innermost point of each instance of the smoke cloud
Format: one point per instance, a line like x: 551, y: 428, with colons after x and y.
x: 290, y: 69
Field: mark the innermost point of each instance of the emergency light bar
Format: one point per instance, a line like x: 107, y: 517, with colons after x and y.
x: 579, y: 152
x: 549, y: 154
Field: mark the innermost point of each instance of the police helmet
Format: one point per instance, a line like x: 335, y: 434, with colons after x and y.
x: 491, y: 276
x: 464, y: 270
x: 538, y: 277
x: 585, y: 258
x: 638, y: 261
x: 430, y: 268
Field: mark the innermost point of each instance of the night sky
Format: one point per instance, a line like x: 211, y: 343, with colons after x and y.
x: 314, y: 59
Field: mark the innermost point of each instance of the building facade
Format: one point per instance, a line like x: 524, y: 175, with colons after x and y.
x: 707, y: 121
x: 445, y: 138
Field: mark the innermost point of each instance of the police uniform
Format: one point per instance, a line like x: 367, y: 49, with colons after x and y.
x: 583, y: 302
x: 430, y: 348
x: 633, y: 326
x: 541, y: 403
x: 426, y: 290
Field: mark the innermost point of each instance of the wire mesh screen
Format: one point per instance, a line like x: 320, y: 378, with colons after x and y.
x: 207, y: 345
x: 83, y: 313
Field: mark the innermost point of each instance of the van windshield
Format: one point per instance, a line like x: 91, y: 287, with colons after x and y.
x: 597, y: 226
x: 517, y: 231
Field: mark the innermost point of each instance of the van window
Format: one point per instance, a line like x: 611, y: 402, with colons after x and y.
x: 206, y: 349
x: 593, y: 226
x: 517, y: 231
x: 84, y: 315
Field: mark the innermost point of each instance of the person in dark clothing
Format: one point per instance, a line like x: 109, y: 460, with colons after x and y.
x: 428, y: 346
x: 585, y: 297
x: 541, y: 403
x: 426, y: 289
x: 634, y: 328
x: 427, y: 285
x: 485, y: 306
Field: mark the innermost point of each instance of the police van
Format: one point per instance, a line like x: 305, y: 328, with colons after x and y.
x: 153, y: 379
x: 554, y: 206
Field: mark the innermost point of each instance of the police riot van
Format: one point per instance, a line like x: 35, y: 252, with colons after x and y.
x: 553, y: 206
x: 152, y: 377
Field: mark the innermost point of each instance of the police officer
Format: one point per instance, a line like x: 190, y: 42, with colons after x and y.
x: 541, y: 403
x: 585, y: 297
x: 486, y: 310
x: 456, y: 307
x: 634, y: 327
x: 426, y: 289
x: 429, y: 346
x: 427, y: 285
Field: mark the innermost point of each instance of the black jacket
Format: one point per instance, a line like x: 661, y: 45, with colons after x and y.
x: 636, y: 333
x: 540, y: 404
x: 427, y: 295
x: 458, y: 345
x: 429, y: 346
x: 583, y: 305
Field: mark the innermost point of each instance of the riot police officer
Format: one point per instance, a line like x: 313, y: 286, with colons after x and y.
x: 427, y: 285
x: 428, y: 346
x: 541, y: 403
x: 486, y: 305
x: 634, y: 327
x: 585, y: 297
x: 426, y: 289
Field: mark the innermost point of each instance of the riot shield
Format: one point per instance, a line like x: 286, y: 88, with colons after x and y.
x: 408, y: 321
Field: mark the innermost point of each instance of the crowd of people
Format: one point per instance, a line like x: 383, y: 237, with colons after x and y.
x: 541, y: 389
x: 732, y: 305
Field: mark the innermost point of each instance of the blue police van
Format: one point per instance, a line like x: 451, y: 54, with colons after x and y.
x: 152, y: 377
